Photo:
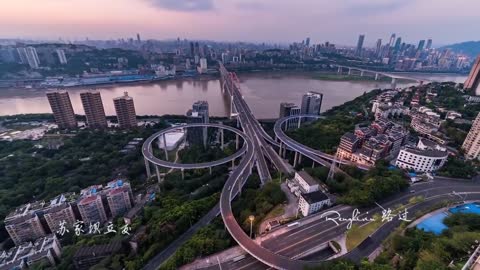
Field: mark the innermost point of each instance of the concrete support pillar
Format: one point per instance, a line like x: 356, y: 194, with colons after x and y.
x: 313, y: 164
x: 299, y: 122
x: 221, y: 134
x: 183, y: 174
x: 210, y: 168
x: 158, y: 174
x: 233, y: 164
x: 165, y: 146
x: 295, y: 159
x: 362, y: 73
x: 284, y: 151
x: 349, y: 71
x: 394, y: 83
x: 339, y: 70
x: 231, y: 105
x: 237, y: 141
x: 238, y: 122
x: 280, y: 149
x: 147, y: 167
x: 299, y: 158
x: 376, y: 76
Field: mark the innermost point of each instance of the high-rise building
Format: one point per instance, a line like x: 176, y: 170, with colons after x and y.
x: 32, y: 57
x: 473, y: 78
x: 91, y: 209
x: 198, y: 114
x: 59, y: 210
x: 392, y: 40
x: 429, y: 44
x: 62, y: 109
x: 421, y: 45
x: 203, y: 65
x: 125, y: 109
x: 119, y: 197
x: 23, y: 224
x: 94, y: 111
x: 307, y: 42
x: 138, y: 38
x: 312, y: 103
x: 61, y: 56
x: 471, y: 145
x: 360, y: 41
x: 22, y: 55
x: 289, y: 109
x: 398, y: 43
x: 378, y: 48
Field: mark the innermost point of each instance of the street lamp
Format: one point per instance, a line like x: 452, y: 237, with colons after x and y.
x: 251, y: 218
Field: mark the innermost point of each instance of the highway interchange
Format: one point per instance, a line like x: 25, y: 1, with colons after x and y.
x: 283, y: 251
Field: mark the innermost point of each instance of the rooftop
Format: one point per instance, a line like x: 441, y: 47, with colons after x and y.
x: 308, y: 178
x: 349, y: 137
x: 427, y: 153
x: 314, y: 197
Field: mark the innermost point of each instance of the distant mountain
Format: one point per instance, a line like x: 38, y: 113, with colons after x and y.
x: 470, y: 48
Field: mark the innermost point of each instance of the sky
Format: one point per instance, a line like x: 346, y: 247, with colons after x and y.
x: 272, y: 21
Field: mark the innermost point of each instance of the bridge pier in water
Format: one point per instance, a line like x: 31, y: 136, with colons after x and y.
x: 376, y: 76
x: 349, y: 71
x: 339, y: 70
x: 394, y: 83
x: 362, y: 73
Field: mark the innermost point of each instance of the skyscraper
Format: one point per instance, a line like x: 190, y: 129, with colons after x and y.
x: 289, y: 109
x: 378, y: 48
x: 471, y: 145
x: 198, y: 114
x: 361, y: 38
x: 138, y: 38
x: 312, y: 103
x: 429, y: 44
x: 392, y: 40
x: 421, y: 44
x: 125, y: 109
x: 62, y: 109
x: 94, y: 111
x: 32, y: 57
x: 398, y: 43
x: 472, y: 82
x: 307, y: 42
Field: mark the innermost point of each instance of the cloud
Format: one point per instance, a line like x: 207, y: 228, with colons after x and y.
x: 184, y: 5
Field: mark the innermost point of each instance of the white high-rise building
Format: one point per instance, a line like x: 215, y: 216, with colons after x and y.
x: 61, y: 56
x: 203, y: 65
x: 32, y: 57
x: 471, y: 145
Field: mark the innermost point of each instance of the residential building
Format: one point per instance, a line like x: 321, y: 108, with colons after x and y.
x: 91, y: 208
x: 471, y: 145
x: 421, y: 160
x: 360, y: 41
x: 473, y: 79
x: 203, y: 65
x: 349, y: 143
x: 198, y: 114
x: 426, y: 144
x: 59, y: 210
x: 289, y: 109
x: 312, y: 103
x: 94, y: 111
x: 62, y: 109
x: 119, y: 197
x: 62, y: 58
x: 310, y: 203
x: 125, y: 109
x: 306, y: 182
x: 24, y: 224
x: 46, y: 250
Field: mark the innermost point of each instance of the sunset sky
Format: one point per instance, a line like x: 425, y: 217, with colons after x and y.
x: 338, y: 21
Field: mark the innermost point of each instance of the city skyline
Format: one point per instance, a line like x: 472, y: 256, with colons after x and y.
x: 214, y: 20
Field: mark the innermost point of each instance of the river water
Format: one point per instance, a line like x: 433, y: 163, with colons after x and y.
x: 263, y: 92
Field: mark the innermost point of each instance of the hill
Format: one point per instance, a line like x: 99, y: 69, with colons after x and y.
x: 470, y: 48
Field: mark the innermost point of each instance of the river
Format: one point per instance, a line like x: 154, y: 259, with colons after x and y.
x: 263, y: 92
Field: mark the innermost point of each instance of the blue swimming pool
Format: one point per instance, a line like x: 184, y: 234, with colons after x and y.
x: 435, y: 224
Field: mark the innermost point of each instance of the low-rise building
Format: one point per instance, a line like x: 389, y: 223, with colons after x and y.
x: 421, y: 160
x: 45, y: 249
x: 306, y: 182
x: 349, y: 143
x: 86, y: 257
x: 310, y: 203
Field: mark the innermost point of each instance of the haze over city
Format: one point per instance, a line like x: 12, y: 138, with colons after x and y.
x: 279, y: 21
